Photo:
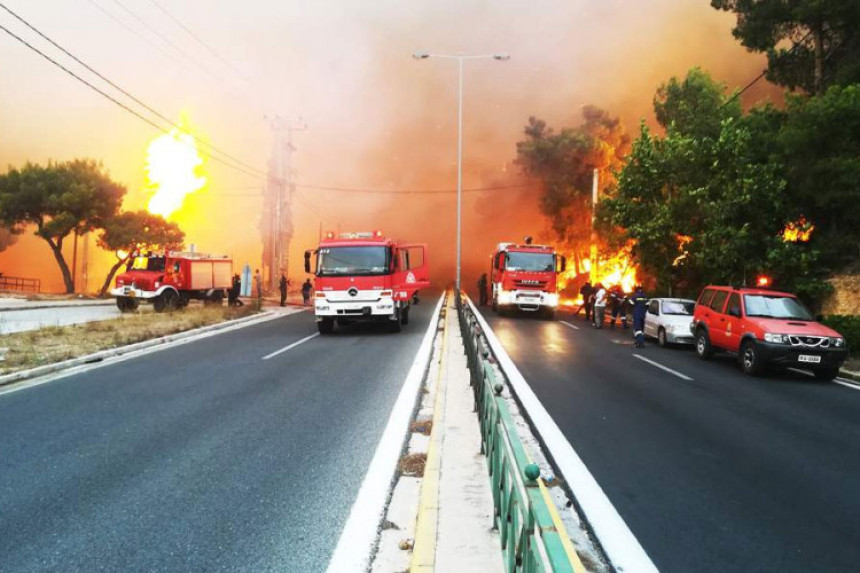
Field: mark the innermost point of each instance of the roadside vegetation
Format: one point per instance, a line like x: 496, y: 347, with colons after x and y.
x: 58, y: 343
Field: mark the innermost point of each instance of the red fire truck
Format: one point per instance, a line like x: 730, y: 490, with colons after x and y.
x: 525, y: 277
x: 366, y: 276
x: 169, y: 280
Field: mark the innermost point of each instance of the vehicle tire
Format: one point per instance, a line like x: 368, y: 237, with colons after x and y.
x: 495, y: 305
x: 703, y: 344
x: 166, y: 301
x: 326, y: 326
x: 549, y: 314
x: 122, y: 303
x: 661, y: 337
x: 395, y: 325
x: 404, y: 316
x: 826, y: 374
x: 751, y: 361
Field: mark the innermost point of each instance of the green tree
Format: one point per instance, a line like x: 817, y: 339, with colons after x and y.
x: 59, y: 199
x: 824, y: 37
x: 134, y: 230
x: 694, y: 106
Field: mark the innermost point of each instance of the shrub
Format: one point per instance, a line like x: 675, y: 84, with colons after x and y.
x: 848, y: 326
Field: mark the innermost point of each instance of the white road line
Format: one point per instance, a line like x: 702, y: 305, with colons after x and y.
x: 621, y: 546
x: 847, y: 383
x: 661, y: 367
x: 573, y: 326
x: 291, y: 346
x: 357, y: 537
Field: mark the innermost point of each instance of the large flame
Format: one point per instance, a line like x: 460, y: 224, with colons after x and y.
x: 172, y: 166
x: 614, y: 269
x: 798, y: 231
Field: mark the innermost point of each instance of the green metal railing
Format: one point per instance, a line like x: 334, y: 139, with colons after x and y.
x: 530, y: 540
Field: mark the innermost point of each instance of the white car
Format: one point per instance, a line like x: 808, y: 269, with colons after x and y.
x: 668, y: 320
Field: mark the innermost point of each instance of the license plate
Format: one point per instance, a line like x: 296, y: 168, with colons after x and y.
x: 810, y: 359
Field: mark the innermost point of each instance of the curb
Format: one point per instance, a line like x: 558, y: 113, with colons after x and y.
x: 62, y: 305
x: 22, y: 375
x: 850, y: 375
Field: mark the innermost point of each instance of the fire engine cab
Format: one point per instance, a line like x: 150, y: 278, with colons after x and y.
x: 366, y: 277
x: 170, y: 280
x: 525, y: 277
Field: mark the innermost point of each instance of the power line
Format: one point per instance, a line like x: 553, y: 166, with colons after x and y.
x: 407, y: 192
x: 166, y: 40
x: 111, y: 98
x: 188, y: 31
x: 155, y: 112
x: 132, y: 30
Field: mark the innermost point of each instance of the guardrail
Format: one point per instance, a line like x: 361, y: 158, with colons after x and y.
x: 20, y: 284
x: 529, y: 537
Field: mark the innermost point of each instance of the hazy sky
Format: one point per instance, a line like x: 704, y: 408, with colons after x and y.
x: 376, y: 118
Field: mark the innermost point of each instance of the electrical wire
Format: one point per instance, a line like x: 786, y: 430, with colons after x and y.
x: 212, y: 149
x: 113, y: 99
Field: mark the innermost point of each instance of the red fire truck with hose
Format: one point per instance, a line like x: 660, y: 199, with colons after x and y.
x: 525, y: 277
x: 366, y: 277
x: 169, y: 280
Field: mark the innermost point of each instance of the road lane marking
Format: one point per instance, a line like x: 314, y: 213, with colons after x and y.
x: 619, y: 543
x: 573, y: 326
x: 290, y: 346
x: 661, y: 367
x: 356, y: 541
x: 847, y: 383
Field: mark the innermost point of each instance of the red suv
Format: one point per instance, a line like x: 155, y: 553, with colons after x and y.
x: 765, y: 327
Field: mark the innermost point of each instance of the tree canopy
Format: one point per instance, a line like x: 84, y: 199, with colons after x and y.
x: 59, y: 199
x: 133, y: 230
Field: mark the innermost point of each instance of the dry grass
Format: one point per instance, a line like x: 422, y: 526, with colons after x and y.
x: 57, y: 343
x: 423, y: 427
x: 412, y: 465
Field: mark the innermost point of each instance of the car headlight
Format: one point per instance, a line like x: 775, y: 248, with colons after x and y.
x: 837, y: 342
x: 776, y: 338
x: 157, y: 284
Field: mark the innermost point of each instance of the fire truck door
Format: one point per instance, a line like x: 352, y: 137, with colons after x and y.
x: 411, y: 271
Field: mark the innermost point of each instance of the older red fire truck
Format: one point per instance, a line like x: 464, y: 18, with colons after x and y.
x: 366, y: 276
x: 525, y: 277
x: 169, y: 280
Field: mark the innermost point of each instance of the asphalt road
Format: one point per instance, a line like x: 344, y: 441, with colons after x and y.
x: 203, y: 457
x: 721, y: 471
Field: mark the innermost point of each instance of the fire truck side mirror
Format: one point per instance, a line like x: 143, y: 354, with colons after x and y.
x: 307, y: 262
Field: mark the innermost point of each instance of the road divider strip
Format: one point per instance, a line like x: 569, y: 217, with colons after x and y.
x: 664, y: 368
x: 290, y: 346
x: 618, y: 542
x: 573, y: 326
x: 356, y: 544
x: 427, y: 525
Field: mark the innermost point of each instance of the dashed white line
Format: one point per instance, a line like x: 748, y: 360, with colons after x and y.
x: 847, y: 384
x: 291, y: 346
x: 661, y: 367
x: 573, y: 326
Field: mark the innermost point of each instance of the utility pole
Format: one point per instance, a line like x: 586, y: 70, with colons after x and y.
x: 276, y: 225
x: 592, y: 274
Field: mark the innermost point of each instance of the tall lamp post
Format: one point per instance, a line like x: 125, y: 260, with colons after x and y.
x: 460, y: 60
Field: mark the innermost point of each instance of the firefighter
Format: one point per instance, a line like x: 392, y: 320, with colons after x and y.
x: 482, y: 289
x: 258, y: 283
x: 233, y: 297
x: 282, y: 286
x: 307, y: 287
x: 599, y: 309
x: 619, y: 306
x: 586, y: 291
x: 640, y: 306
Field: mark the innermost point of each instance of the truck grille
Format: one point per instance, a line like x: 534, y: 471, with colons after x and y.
x: 530, y: 284
x: 809, y: 341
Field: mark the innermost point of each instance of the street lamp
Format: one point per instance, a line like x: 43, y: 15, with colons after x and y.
x: 460, y: 60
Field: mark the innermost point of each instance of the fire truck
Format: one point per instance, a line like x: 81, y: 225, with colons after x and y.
x: 171, y: 279
x: 525, y: 277
x: 366, y: 277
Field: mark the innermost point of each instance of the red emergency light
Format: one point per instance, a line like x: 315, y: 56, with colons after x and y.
x: 377, y: 233
x: 763, y: 281
x: 329, y: 235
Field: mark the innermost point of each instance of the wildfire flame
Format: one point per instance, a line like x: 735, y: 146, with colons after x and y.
x: 616, y: 269
x: 683, y: 241
x: 172, y: 165
x: 798, y: 231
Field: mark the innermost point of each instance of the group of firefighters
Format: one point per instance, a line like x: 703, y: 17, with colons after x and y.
x: 233, y: 294
x: 596, y: 298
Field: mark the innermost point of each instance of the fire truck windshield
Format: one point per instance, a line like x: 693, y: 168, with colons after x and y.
x: 146, y: 264
x: 533, y: 262
x: 351, y: 261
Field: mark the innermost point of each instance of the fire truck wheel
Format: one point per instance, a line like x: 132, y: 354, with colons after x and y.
x: 126, y: 304
x: 495, y: 305
x: 395, y: 325
x: 404, y: 316
x: 326, y: 326
x: 168, y: 300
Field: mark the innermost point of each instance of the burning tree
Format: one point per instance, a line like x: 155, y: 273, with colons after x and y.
x: 564, y: 163
x: 59, y: 199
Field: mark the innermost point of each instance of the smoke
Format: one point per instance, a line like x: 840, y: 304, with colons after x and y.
x: 378, y: 119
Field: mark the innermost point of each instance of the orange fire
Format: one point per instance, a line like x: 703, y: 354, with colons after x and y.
x: 172, y: 171
x: 798, y: 231
x: 683, y: 241
x: 615, y: 269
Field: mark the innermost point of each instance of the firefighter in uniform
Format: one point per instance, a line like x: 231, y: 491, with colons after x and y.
x: 640, y: 306
x: 586, y: 291
x: 282, y: 286
x: 482, y: 290
x: 618, y: 300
